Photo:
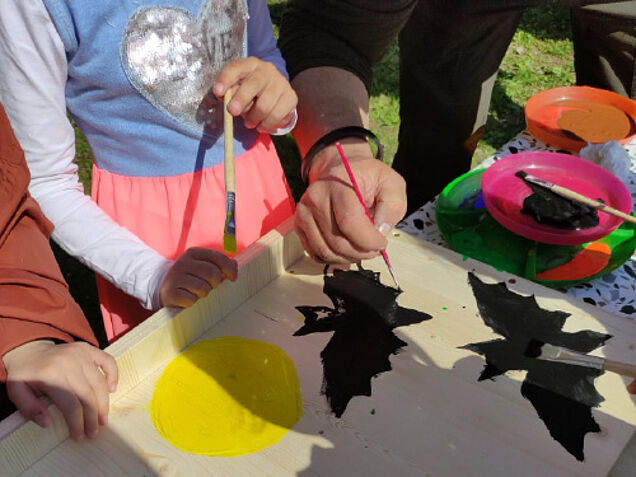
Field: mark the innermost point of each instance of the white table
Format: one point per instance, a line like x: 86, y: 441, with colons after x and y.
x: 614, y: 292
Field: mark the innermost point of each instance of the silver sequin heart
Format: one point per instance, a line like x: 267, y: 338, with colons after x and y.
x: 173, y: 58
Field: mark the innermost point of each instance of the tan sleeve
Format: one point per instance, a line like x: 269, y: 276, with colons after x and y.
x: 35, y: 302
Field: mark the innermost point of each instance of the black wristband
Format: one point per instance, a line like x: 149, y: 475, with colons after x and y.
x: 333, y: 136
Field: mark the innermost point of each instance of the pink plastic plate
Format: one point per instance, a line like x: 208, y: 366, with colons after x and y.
x: 504, y: 194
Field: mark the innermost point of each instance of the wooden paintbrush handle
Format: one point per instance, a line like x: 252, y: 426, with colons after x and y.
x: 570, y: 194
x: 228, y: 137
x: 623, y: 369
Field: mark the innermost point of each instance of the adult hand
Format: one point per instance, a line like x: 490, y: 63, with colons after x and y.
x: 77, y: 377
x: 330, y: 220
x: 193, y: 275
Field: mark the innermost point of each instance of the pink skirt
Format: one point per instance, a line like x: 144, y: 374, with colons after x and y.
x: 172, y: 214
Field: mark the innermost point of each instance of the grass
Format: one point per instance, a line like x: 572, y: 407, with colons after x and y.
x: 539, y: 58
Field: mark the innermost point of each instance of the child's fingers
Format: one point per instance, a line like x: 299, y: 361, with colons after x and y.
x: 88, y: 399
x: 198, y: 286
x: 263, y: 107
x: 251, y: 87
x: 228, y: 266
x: 281, y: 115
x: 232, y: 74
x: 28, y: 403
x: 180, y: 298
x: 206, y: 270
x: 109, y: 366
x: 70, y: 407
x: 97, y: 380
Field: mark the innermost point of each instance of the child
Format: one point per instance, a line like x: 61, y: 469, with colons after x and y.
x: 36, y: 308
x: 136, y: 78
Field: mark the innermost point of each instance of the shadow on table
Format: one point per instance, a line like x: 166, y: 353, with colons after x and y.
x: 32, y: 450
x: 412, y: 428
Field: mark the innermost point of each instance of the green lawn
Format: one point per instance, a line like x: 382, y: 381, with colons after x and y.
x: 539, y: 57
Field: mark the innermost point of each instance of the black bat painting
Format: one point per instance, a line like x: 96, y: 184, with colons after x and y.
x: 363, y: 316
x: 562, y: 394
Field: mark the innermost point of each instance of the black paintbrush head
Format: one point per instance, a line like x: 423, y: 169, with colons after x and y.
x: 533, y: 350
x: 521, y: 174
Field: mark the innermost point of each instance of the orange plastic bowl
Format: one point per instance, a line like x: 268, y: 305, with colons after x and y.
x: 544, y: 113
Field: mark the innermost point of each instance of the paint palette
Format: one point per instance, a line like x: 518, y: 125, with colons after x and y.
x: 504, y: 194
x: 469, y: 229
x: 572, y: 116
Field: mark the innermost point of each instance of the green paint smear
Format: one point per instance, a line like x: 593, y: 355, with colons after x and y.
x: 372, y: 411
x: 444, y: 308
x: 474, y: 233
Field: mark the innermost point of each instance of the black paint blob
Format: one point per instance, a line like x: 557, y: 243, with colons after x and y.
x: 562, y: 394
x: 549, y: 208
x: 363, y: 316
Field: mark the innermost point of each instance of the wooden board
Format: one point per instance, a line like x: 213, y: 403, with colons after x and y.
x: 428, y: 416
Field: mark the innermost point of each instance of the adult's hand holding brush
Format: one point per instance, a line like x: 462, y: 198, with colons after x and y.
x: 330, y: 222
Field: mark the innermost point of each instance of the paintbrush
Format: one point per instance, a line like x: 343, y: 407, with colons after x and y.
x: 356, y: 189
x: 575, y: 196
x: 545, y: 351
x: 229, y: 230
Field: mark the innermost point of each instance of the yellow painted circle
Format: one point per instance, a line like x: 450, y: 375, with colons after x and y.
x: 227, y: 397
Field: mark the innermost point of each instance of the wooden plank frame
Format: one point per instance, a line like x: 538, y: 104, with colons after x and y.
x: 155, y: 342
x: 446, y: 422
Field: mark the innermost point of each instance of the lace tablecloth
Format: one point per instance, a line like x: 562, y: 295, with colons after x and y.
x: 614, y: 292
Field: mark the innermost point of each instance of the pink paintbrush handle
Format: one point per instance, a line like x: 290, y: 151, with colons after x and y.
x: 356, y: 189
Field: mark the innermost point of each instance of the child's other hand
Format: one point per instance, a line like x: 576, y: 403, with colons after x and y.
x: 70, y: 375
x: 193, y: 275
x: 261, y: 95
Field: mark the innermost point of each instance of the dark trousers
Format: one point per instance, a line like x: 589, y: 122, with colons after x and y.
x: 6, y: 406
x: 450, y: 52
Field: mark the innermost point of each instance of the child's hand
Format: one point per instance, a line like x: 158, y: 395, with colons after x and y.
x: 193, y: 275
x: 69, y: 374
x: 261, y: 94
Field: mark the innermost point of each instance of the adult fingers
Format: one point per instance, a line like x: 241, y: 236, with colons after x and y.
x: 27, y: 402
x: 355, y: 231
x: 70, y: 407
x: 321, y: 243
x: 311, y: 238
x: 390, y: 205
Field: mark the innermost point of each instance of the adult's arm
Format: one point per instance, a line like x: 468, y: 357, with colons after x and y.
x: 35, y: 302
x: 330, y: 48
x: 32, y: 87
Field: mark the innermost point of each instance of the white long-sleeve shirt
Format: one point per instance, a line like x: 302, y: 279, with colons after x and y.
x: 33, y: 75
